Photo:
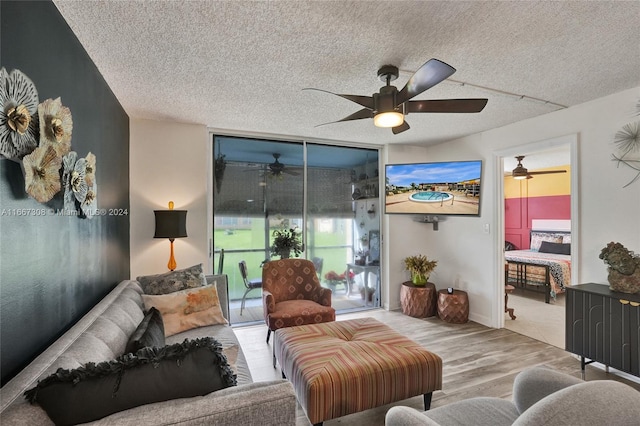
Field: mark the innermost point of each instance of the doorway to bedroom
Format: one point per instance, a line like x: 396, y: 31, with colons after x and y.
x: 538, y: 207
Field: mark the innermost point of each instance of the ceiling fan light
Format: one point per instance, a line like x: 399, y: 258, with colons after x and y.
x: 388, y: 119
x: 519, y: 172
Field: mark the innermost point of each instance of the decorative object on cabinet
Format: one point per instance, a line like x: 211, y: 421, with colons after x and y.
x: 623, y: 267
x: 171, y: 224
x: 602, y: 326
x: 420, y: 268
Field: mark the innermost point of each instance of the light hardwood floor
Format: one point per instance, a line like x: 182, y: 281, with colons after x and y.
x: 477, y: 360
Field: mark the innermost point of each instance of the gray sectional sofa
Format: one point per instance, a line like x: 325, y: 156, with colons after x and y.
x: 102, y: 335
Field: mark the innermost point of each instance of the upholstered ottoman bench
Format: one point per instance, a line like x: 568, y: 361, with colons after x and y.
x: 343, y: 367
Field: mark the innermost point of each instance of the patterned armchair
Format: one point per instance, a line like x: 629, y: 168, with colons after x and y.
x: 292, y: 295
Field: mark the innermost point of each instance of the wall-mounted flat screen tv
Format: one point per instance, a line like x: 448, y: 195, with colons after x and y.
x: 438, y: 188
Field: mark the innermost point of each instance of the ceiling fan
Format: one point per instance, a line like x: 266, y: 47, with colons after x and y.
x: 389, y: 106
x: 277, y: 168
x: 520, y: 172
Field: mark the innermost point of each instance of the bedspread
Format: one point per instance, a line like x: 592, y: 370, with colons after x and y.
x: 559, y: 268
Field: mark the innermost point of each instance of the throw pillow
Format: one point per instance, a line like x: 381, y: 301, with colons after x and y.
x: 538, y: 238
x: 170, y: 282
x: 183, y: 370
x: 555, y: 248
x: 150, y: 332
x: 187, y: 309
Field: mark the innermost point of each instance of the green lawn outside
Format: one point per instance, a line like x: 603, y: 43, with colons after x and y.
x: 249, y: 239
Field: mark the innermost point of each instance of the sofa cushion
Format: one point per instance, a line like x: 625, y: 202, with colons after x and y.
x: 177, y: 280
x: 150, y: 332
x: 188, y: 369
x: 187, y: 309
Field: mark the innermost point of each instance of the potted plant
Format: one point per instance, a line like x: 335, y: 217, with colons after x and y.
x: 420, y: 267
x: 623, y: 267
x: 361, y: 257
x: 286, y: 241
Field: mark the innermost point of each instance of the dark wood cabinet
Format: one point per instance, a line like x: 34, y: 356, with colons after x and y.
x: 603, y: 326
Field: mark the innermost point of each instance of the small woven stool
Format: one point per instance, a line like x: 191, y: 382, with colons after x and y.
x: 453, y: 307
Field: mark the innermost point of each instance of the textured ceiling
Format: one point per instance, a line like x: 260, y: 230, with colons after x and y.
x: 241, y: 66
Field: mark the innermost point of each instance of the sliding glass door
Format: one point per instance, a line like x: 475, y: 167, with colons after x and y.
x: 331, y: 198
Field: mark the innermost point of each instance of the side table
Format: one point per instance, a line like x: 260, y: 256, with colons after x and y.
x: 454, y: 307
x: 418, y: 301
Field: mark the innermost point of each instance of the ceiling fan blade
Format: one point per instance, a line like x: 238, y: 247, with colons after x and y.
x: 401, y: 128
x: 363, y: 113
x: 548, y: 172
x: 365, y: 101
x: 428, y: 75
x: 447, y: 105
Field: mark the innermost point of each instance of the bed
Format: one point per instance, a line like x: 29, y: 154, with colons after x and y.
x: 545, y: 266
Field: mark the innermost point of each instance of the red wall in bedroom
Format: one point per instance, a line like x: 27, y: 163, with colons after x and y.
x: 543, y: 197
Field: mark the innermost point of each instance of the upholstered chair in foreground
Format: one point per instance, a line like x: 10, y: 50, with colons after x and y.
x: 292, y: 295
x: 541, y: 396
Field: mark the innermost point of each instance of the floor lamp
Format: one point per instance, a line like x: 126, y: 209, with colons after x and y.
x: 171, y: 224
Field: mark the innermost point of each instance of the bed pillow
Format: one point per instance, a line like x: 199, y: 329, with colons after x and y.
x: 172, y: 281
x: 538, y: 237
x: 93, y: 391
x: 150, y: 332
x: 555, y: 248
x: 187, y: 309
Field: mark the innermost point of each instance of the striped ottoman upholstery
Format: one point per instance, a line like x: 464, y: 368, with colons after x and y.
x: 343, y: 367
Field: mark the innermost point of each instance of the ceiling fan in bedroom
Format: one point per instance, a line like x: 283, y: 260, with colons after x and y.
x: 520, y: 172
x: 389, y: 106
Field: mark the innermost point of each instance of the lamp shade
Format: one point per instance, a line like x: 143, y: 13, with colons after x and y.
x: 170, y: 223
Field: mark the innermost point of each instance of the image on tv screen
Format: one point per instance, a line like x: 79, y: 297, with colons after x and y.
x: 441, y: 188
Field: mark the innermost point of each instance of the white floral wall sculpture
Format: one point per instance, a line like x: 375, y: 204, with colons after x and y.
x: 39, y: 135
x: 78, y: 180
x: 90, y: 203
x: 18, y: 115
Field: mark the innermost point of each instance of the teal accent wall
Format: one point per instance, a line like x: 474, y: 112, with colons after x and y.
x: 53, y: 269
